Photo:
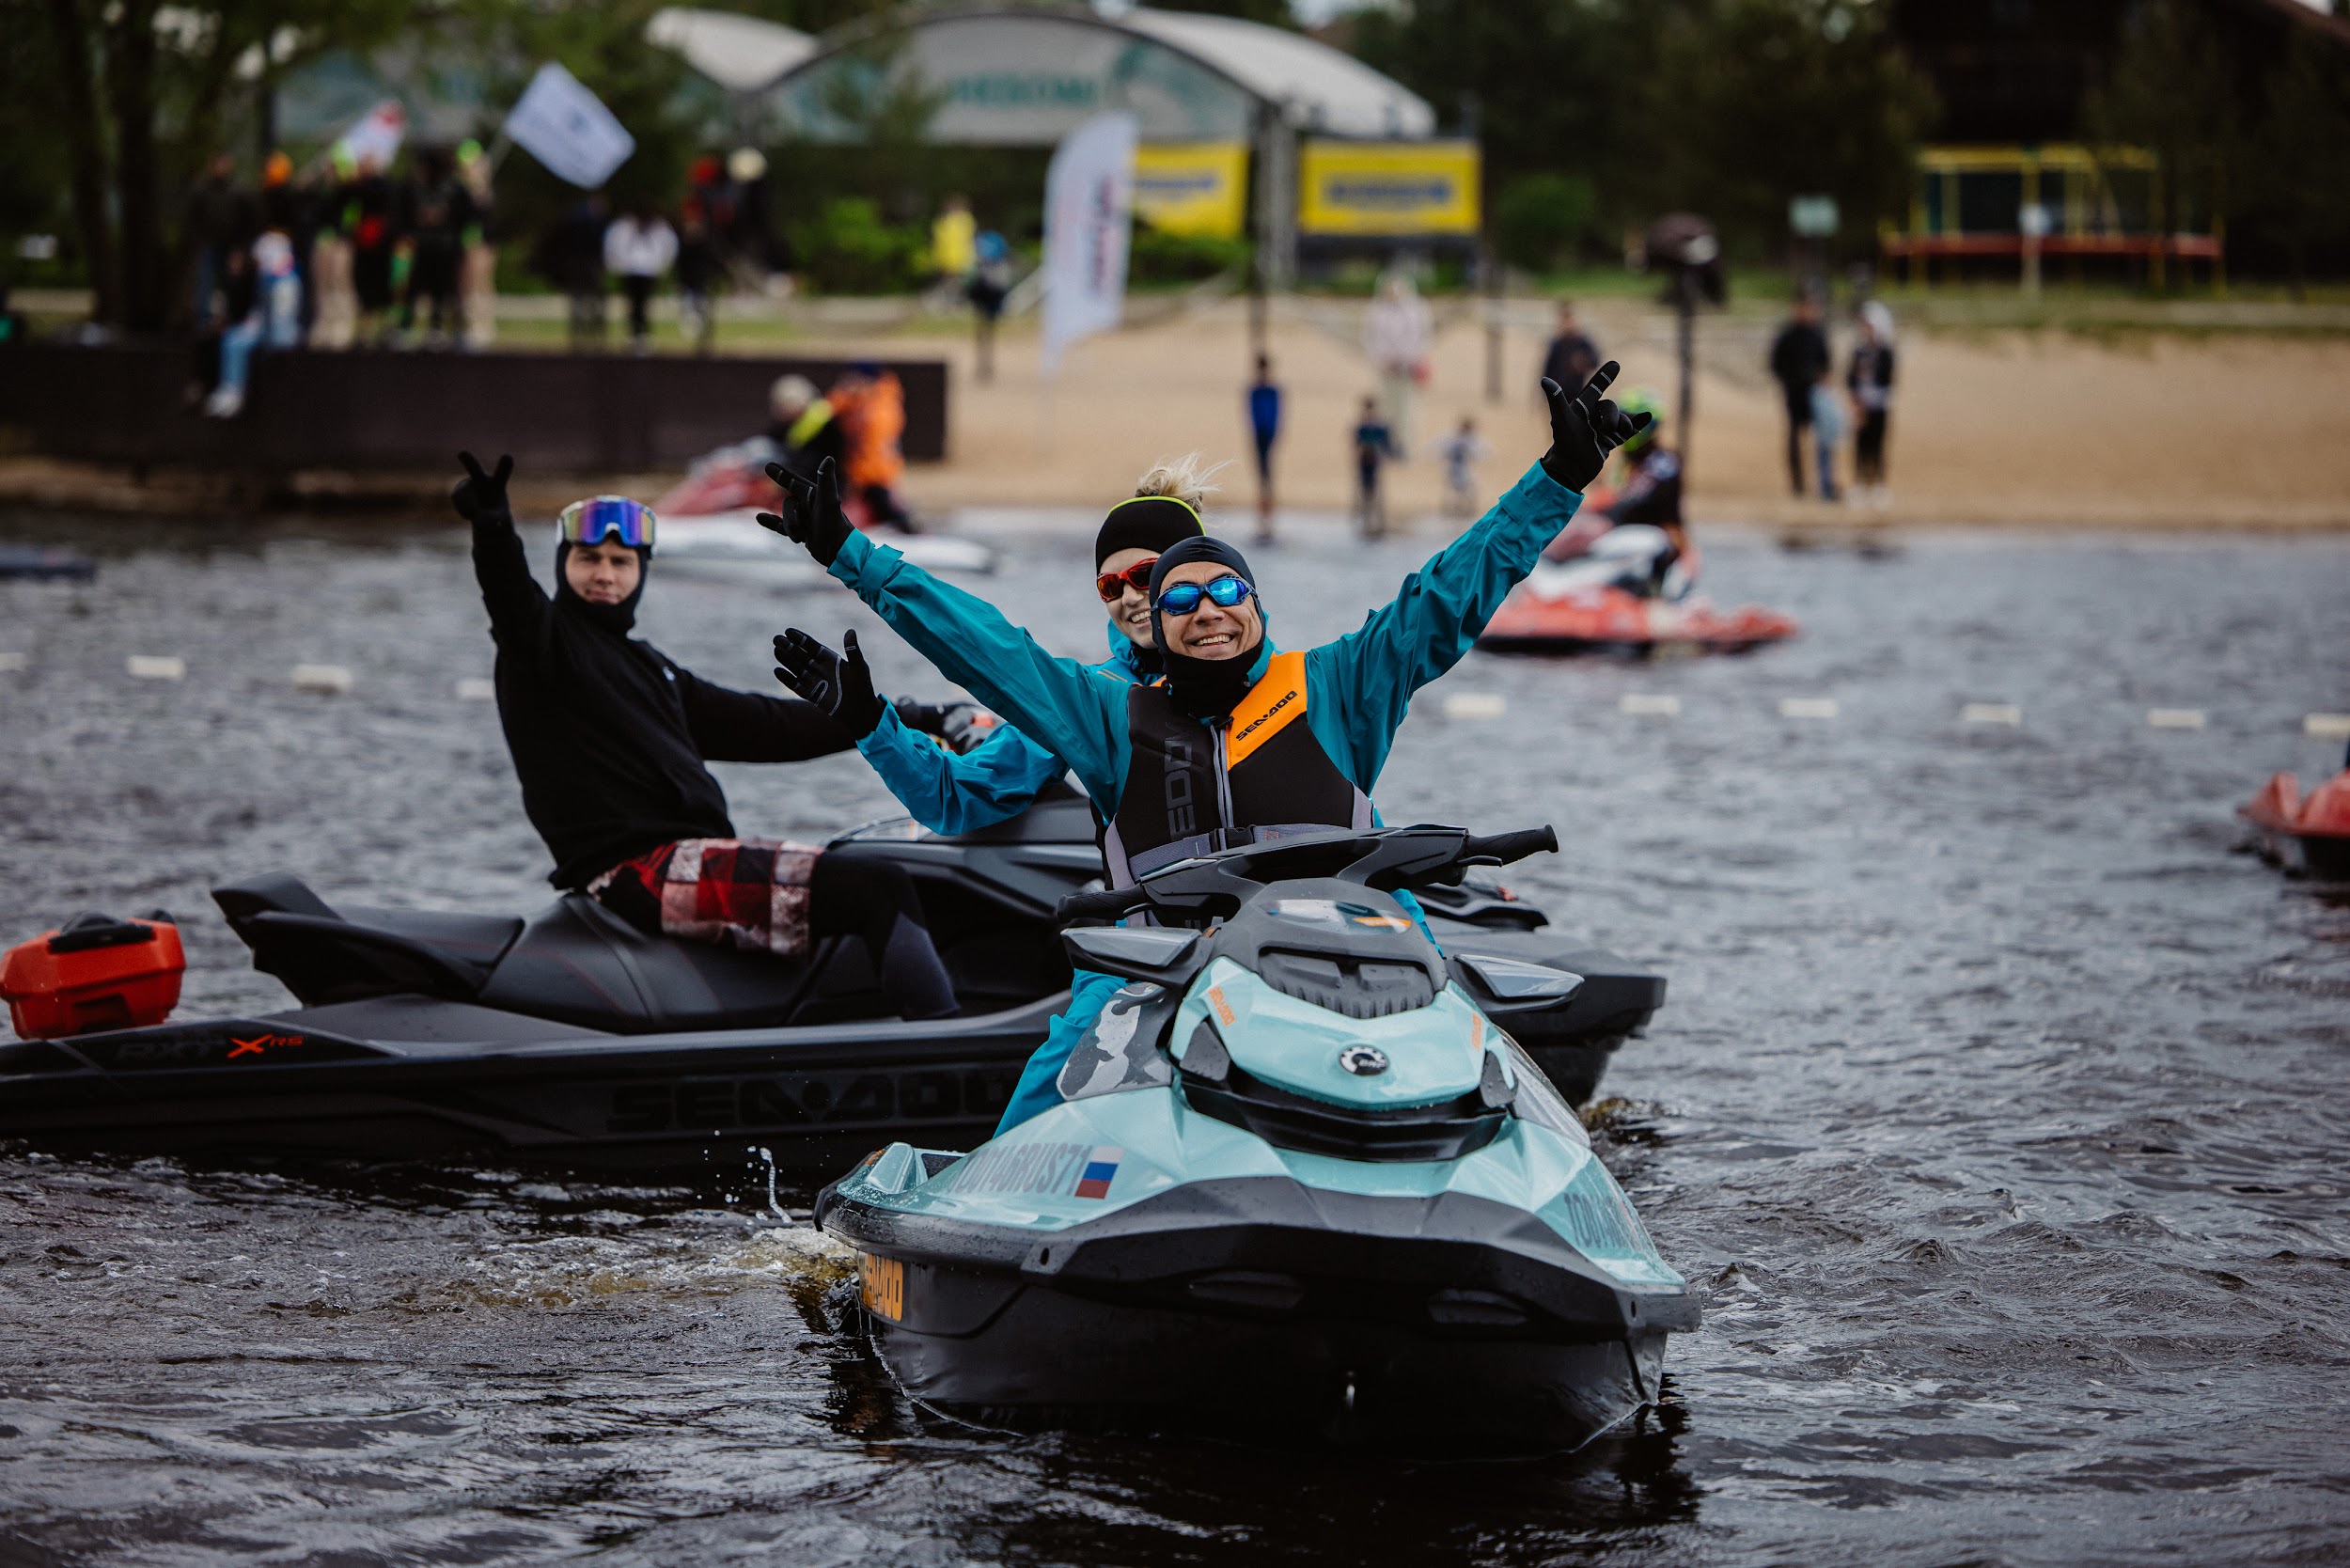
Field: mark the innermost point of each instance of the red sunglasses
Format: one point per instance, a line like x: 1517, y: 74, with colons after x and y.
x: 1111, y: 584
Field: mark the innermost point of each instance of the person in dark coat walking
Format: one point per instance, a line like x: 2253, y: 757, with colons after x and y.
x: 1799, y: 363
x: 1573, y: 356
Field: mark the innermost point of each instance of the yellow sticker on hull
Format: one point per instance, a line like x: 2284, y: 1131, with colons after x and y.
x: 880, y: 1284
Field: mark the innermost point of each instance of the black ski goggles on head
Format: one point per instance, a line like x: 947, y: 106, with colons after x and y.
x: 1183, y: 598
x: 601, y: 517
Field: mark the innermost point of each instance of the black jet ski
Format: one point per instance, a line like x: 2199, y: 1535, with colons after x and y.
x: 1303, y: 1182
x: 568, y: 1034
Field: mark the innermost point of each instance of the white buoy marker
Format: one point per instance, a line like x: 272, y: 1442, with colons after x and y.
x: 1990, y: 712
x: 11, y: 663
x: 473, y: 688
x: 2327, y: 727
x: 325, y: 680
x: 157, y: 667
x: 1475, y: 705
x: 1650, y: 704
x: 1807, y: 707
x: 2174, y: 718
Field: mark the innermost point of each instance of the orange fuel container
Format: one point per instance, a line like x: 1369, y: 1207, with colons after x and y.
x: 97, y: 973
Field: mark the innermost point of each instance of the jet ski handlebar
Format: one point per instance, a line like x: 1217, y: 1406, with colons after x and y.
x: 1389, y: 858
x: 1499, y: 849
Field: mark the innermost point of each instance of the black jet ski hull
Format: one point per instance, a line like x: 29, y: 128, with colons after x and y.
x: 328, y: 1082
x: 1262, y: 1307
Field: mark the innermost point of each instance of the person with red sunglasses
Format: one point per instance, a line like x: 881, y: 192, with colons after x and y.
x: 612, y: 739
x: 1237, y: 741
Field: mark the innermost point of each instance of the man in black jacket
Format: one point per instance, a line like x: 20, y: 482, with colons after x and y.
x: 1799, y: 363
x: 610, y: 738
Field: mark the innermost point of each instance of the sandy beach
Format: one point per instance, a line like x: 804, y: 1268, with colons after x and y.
x: 2142, y: 431
x: 2203, y: 425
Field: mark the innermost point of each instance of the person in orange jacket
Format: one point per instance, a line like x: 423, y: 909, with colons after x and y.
x: 871, y: 403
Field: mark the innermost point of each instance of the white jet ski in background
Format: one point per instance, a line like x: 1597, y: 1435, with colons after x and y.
x: 709, y: 525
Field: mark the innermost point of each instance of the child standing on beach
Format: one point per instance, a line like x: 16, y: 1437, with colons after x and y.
x: 1460, y: 451
x: 1374, y: 443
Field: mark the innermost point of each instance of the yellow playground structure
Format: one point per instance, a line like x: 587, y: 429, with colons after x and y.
x: 2056, y: 200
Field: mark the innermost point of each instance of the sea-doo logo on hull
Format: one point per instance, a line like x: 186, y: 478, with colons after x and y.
x: 1364, y: 1061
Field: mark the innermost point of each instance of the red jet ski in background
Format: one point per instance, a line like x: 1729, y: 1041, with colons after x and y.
x: 709, y: 523
x: 1623, y: 576
x: 2305, y: 832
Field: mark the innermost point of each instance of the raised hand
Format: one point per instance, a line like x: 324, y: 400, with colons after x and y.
x: 1584, y: 429
x: 840, y: 684
x: 812, y: 515
x: 482, y: 497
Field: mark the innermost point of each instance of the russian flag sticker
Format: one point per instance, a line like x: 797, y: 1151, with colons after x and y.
x: 1094, y: 1181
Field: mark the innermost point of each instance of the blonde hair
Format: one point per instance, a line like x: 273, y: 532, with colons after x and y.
x: 1181, y: 479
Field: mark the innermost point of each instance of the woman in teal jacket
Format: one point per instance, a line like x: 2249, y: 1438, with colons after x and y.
x: 1238, y: 741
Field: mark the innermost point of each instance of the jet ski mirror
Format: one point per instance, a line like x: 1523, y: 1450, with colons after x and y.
x: 1168, y: 956
x: 1513, y: 983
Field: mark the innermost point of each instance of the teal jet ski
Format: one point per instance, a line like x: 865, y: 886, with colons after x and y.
x: 1303, y: 1182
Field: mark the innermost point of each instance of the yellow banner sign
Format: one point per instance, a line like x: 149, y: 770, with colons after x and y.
x: 1192, y: 188
x: 1382, y: 189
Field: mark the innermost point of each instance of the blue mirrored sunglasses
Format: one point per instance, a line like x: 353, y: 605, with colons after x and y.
x: 1183, y: 598
x: 603, y: 517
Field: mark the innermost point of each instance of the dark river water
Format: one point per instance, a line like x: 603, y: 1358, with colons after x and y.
x: 1998, y: 1108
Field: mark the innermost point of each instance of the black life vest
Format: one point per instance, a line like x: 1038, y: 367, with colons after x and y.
x: 1193, y: 789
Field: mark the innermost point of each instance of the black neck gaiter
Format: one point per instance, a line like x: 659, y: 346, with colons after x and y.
x: 1204, y: 688
x: 619, y: 619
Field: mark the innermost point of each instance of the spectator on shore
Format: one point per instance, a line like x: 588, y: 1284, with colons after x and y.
x: 477, y: 265
x: 954, y: 251
x: 370, y: 205
x: 989, y: 287
x: 1799, y: 363
x: 641, y: 247
x: 1374, y: 443
x: 1869, y: 381
x: 1397, y: 331
x: 269, y: 289
x: 1264, y: 427
x: 570, y: 257
x: 1572, y: 357
x: 335, y: 305
x: 701, y: 279
x: 1459, y: 453
x: 220, y: 219
x: 438, y: 213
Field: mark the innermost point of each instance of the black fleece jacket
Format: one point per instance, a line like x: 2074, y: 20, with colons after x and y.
x: 608, y: 735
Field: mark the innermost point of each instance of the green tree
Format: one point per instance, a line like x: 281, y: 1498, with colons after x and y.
x: 2298, y: 174
x: 138, y: 95
x: 1754, y: 101
x: 2173, y: 90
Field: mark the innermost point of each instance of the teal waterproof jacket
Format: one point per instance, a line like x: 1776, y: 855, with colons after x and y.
x: 993, y: 781
x: 1359, y: 688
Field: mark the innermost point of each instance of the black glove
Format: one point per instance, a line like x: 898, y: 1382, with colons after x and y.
x: 839, y: 683
x: 482, y: 497
x: 1584, y: 429
x: 814, y: 519
x: 928, y: 718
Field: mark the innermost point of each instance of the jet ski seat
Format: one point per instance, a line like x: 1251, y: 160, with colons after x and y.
x: 574, y: 962
x: 328, y: 955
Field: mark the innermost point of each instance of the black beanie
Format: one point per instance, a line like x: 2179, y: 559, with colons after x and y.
x: 1198, y: 548
x: 1155, y: 523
